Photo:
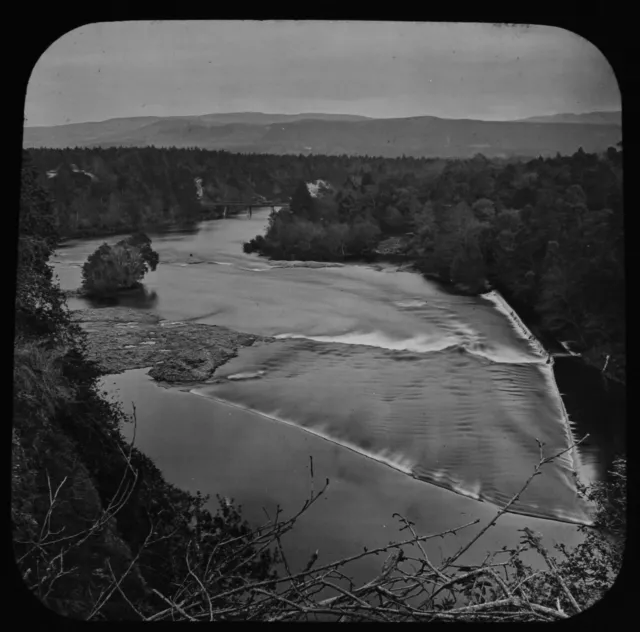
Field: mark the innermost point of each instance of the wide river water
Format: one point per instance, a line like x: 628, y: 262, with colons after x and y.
x: 410, y: 400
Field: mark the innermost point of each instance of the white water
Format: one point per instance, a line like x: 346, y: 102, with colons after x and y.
x: 452, y: 390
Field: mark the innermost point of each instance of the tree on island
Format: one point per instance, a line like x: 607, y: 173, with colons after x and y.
x: 120, y: 267
x: 302, y: 202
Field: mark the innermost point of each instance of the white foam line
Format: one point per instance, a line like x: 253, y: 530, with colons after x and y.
x: 417, y: 344
x: 411, y: 303
x: 573, y: 454
x: 314, y: 265
x: 473, y: 492
x: 559, y: 516
x: 389, y: 459
x: 245, y: 376
x: 402, y: 465
x: 569, y: 352
x: 504, y: 308
x: 547, y: 370
x: 501, y: 360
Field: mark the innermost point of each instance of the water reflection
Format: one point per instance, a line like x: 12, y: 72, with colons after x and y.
x: 175, y: 232
x: 200, y: 444
x: 430, y: 418
x: 478, y: 410
x: 594, y: 410
x: 141, y: 298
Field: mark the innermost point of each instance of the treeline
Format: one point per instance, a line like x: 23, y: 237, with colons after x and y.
x: 548, y: 233
x: 347, y: 219
x: 87, y: 508
x: 114, y: 190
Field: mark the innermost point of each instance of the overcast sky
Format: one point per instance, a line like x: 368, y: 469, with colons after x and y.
x: 378, y: 69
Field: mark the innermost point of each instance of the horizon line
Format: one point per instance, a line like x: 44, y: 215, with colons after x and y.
x: 363, y: 116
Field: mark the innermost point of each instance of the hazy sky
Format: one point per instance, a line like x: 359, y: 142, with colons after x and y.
x: 380, y: 69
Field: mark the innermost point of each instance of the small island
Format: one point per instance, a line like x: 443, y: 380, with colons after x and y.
x: 118, y: 268
x: 122, y: 338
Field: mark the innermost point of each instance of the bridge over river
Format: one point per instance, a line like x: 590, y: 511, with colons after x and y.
x: 225, y: 207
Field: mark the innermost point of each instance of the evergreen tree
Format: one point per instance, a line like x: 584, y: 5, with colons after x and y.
x: 302, y: 203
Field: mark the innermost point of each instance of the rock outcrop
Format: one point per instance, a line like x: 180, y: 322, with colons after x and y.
x: 121, y: 339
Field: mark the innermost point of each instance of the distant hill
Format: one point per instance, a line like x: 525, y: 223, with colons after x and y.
x: 258, y: 118
x: 82, y: 134
x: 590, y: 118
x: 254, y: 132
x: 145, y: 128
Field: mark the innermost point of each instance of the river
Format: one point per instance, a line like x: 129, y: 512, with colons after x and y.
x: 410, y: 399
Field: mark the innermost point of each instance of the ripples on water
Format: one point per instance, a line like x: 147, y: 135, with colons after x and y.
x: 454, y: 419
x: 451, y: 390
x: 202, y: 444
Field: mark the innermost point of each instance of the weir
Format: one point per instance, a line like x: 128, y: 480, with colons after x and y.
x: 309, y: 301
x: 547, y: 369
x: 415, y: 344
x: 399, y: 463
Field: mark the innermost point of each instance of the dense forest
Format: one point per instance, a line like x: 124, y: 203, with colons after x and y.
x: 118, y: 190
x: 547, y: 233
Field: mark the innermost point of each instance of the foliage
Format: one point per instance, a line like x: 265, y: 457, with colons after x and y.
x: 40, y: 306
x: 143, y: 243
x: 84, y: 504
x: 302, y: 204
x: 409, y: 587
x: 547, y: 233
x: 117, y: 267
x: 130, y: 189
x: 412, y: 587
x: 594, y: 564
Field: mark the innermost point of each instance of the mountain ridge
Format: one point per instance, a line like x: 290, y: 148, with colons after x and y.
x: 590, y: 118
x: 420, y: 136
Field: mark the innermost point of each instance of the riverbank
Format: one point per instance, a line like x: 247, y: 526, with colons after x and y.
x: 605, y: 361
x: 206, y: 214
x: 94, y: 233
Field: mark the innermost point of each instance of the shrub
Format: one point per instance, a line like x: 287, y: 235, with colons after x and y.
x: 122, y: 266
